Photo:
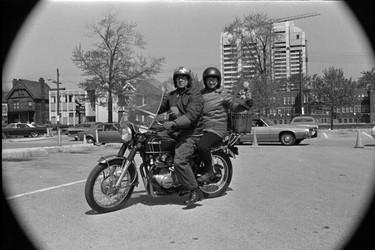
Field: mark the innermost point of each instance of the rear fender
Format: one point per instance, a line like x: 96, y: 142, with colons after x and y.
x: 231, y: 151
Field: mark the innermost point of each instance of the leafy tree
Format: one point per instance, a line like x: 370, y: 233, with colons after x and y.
x: 113, y: 60
x: 333, y: 90
x: 367, y: 80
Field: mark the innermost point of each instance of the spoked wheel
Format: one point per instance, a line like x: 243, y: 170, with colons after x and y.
x: 100, y: 191
x: 223, y: 176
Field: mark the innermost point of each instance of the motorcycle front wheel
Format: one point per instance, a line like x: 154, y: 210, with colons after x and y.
x: 100, y: 191
x: 223, y: 176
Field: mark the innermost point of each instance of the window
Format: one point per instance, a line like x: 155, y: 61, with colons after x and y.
x: 16, y: 105
x: 297, y: 37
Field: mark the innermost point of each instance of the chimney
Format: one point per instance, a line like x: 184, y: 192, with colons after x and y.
x: 42, y: 91
x: 14, y: 82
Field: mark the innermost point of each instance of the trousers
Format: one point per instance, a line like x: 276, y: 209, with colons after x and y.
x: 185, y: 148
x: 208, y: 140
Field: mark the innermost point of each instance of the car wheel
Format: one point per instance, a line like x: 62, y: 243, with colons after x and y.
x: 34, y: 134
x: 4, y: 135
x: 90, y: 140
x: 287, y: 139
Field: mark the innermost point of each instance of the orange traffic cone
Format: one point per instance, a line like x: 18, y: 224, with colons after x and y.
x: 84, y: 139
x: 255, y: 140
x: 359, y: 143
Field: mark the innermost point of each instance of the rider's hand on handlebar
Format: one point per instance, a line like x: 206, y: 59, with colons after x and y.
x: 169, y: 125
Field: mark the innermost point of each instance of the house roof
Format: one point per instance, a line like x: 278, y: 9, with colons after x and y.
x: 34, y: 88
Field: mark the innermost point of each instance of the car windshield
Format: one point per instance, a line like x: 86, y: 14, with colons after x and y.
x: 268, y: 122
x: 143, y: 106
x: 303, y: 120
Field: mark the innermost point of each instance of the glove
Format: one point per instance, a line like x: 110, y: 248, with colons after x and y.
x: 249, y: 103
x: 169, y: 125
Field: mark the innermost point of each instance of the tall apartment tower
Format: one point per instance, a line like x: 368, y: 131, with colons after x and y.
x: 288, y: 55
x: 288, y: 51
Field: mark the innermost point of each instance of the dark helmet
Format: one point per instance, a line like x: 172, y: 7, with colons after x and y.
x: 212, y: 72
x: 182, y: 71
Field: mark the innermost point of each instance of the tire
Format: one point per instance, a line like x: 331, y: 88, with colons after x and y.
x: 34, y: 134
x: 224, y: 171
x: 4, y: 135
x: 287, y: 139
x: 99, y: 191
x: 90, y: 140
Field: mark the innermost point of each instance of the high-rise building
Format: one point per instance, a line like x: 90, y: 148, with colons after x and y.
x: 288, y: 51
x: 288, y: 55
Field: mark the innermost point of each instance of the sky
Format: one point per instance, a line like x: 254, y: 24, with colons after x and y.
x: 186, y: 33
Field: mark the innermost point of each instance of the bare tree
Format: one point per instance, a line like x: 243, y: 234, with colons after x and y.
x: 333, y: 90
x: 113, y: 60
x: 254, y: 35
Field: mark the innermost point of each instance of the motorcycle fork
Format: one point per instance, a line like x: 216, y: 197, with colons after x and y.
x: 128, y: 161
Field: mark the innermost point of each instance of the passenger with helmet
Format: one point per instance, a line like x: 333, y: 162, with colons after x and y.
x: 185, y: 105
x: 217, y: 103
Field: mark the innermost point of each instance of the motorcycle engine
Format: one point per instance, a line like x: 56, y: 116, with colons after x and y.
x: 162, y: 174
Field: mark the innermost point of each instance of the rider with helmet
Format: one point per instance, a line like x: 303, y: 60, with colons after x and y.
x: 184, y: 105
x: 217, y: 103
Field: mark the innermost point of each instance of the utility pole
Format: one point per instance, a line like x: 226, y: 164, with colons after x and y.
x: 300, y: 82
x: 58, y: 108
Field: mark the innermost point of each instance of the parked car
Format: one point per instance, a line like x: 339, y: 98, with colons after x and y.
x: 73, y: 130
x: 107, y: 133
x: 54, y: 126
x: 306, y: 121
x: 22, y: 129
x: 267, y: 131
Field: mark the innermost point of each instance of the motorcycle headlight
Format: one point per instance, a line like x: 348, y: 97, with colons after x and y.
x: 126, y: 133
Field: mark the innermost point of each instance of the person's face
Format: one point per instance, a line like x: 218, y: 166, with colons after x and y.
x: 212, y: 82
x: 181, y: 81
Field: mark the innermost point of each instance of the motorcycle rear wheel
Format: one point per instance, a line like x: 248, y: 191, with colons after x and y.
x: 224, y: 171
x: 100, y: 193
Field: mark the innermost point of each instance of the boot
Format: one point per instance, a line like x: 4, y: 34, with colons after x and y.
x: 195, y: 195
x: 206, y: 177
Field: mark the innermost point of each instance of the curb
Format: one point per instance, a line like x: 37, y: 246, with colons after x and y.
x: 44, y: 151
x: 20, y: 153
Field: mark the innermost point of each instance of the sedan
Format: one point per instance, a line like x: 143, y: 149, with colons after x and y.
x: 74, y: 130
x: 101, y: 133
x: 267, y: 131
x: 306, y: 121
x: 22, y: 129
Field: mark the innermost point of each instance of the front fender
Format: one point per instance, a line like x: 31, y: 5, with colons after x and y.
x: 108, y: 158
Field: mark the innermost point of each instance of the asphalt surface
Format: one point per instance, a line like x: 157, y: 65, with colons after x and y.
x: 310, y: 196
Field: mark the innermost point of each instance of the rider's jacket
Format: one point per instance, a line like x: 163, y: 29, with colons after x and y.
x: 217, y: 103
x: 190, y: 105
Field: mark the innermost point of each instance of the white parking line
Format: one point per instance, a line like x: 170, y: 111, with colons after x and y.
x: 367, y: 134
x: 325, y: 135
x: 45, y: 189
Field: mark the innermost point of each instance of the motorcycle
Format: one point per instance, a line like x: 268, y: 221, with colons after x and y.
x: 111, y: 182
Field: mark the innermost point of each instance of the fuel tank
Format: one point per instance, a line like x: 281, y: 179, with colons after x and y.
x: 157, y: 144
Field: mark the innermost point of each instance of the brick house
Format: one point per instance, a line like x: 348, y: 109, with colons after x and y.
x: 27, y: 101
